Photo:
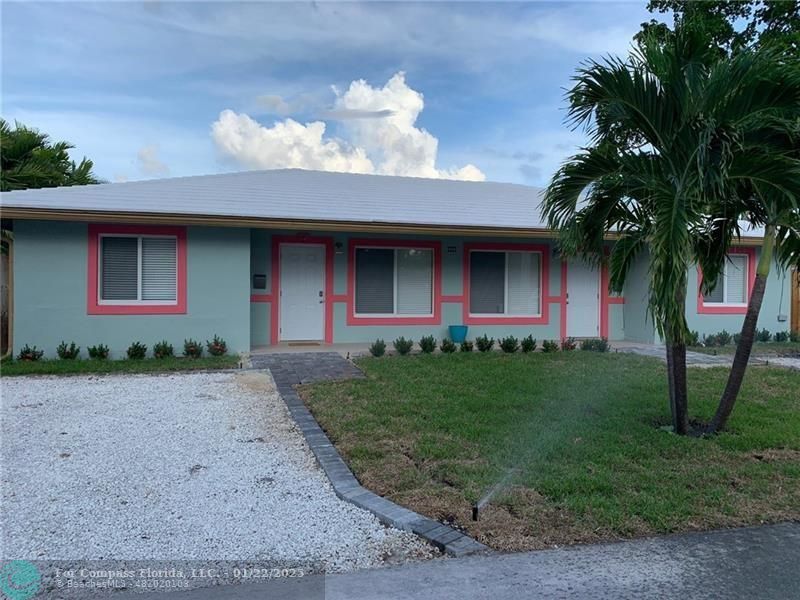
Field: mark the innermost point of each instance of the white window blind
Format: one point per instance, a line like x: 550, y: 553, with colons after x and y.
x: 159, y: 269
x: 138, y: 269
x: 394, y: 281
x: 732, y: 285
x: 505, y: 283
x: 523, y: 283
x: 414, y: 282
x: 736, y: 279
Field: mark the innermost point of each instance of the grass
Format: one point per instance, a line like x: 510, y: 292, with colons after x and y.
x: 581, y: 432
x: 145, y: 365
x: 759, y: 349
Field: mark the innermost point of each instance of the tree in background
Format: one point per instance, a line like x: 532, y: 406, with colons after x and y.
x: 28, y: 159
x: 678, y: 132
x: 733, y: 26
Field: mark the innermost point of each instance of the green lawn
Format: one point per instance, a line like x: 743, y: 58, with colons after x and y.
x: 146, y: 365
x: 582, y: 431
x: 759, y: 349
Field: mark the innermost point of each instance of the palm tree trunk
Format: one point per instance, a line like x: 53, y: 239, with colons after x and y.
x: 681, y: 394
x: 676, y: 377
x: 745, y: 346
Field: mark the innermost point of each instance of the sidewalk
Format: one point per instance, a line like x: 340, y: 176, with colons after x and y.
x: 755, y: 562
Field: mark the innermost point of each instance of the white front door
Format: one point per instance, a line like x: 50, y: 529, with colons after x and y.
x: 583, y: 299
x: 302, y: 301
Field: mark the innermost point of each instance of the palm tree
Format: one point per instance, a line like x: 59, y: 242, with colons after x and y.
x: 28, y: 159
x: 778, y: 213
x: 676, y: 131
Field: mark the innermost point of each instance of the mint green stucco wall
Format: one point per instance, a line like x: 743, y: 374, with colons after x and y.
x: 638, y: 324
x: 50, y: 263
x: 452, y: 269
x: 777, y: 299
x: 50, y: 272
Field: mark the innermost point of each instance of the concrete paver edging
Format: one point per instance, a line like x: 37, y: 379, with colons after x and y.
x: 289, y: 370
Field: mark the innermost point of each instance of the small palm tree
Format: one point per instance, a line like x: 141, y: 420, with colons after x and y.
x: 676, y: 133
x: 29, y: 160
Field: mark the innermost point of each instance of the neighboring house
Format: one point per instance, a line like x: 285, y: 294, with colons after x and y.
x: 267, y: 257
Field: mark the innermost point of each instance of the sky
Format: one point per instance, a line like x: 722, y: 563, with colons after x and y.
x: 163, y: 89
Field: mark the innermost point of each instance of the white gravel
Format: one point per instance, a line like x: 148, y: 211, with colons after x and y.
x: 203, y: 466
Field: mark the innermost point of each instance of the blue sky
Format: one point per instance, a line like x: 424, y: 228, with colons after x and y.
x: 153, y: 89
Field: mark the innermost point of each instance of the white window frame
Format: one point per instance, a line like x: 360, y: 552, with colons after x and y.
x: 746, y: 279
x: 505, y: 313
x: 395, y: 314
x: 138, y: 301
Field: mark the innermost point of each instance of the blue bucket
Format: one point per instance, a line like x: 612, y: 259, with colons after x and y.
x: 458, y: 333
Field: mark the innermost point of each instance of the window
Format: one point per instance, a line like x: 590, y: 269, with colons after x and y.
x: 136, y: 269
x: 504, y: 283
x: 732, y: 287
x: 394, y: 281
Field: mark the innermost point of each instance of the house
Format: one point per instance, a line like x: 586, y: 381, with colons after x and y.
x: 268, y: 257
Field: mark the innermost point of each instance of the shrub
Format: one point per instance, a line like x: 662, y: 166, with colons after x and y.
x: 693, y: 339
x: 448, y: 346
x: 70, y: 352
x: 568, y: 344
x: 763, y: 336
x: 30, y: 354
x: 427, y: 344
x: 99, y: 352
x: 737, y: 337
x: 595, y: 345
x: 794, y: 336
x: 217, y: 346
x: 724, y: 338
x: 549, y: 346
x: 528, y: 344
x: 137, y: 350
x: 402, y: 345
x: 709, y: 341
x: 378, y: 348
x: 781, y: 336
x: 509, y: 344
x: 163, y: 349
x: 192, y: 348
x: 484, y: 343
x: 467, y: 346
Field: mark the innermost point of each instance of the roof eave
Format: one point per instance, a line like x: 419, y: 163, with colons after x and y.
x: 50, y: 214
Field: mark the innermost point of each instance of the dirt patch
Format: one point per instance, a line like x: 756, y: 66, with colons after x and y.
x: 255, y: 381
x: 777, y: 454
x: 521, y: 520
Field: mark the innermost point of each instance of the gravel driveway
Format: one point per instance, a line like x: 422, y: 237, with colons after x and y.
x: 203, y: 466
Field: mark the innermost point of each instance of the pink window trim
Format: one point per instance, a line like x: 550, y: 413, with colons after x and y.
x: 353, y: 319
x: 544, y: 296
x: 93, y: 307
x: 714, y: 309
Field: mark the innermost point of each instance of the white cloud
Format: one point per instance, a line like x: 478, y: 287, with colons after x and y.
x: 149, y: 162
x: 381, y: 125
x: 287, y: 144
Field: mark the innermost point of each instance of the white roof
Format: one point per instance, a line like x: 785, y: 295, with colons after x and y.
x: 294, y: 194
